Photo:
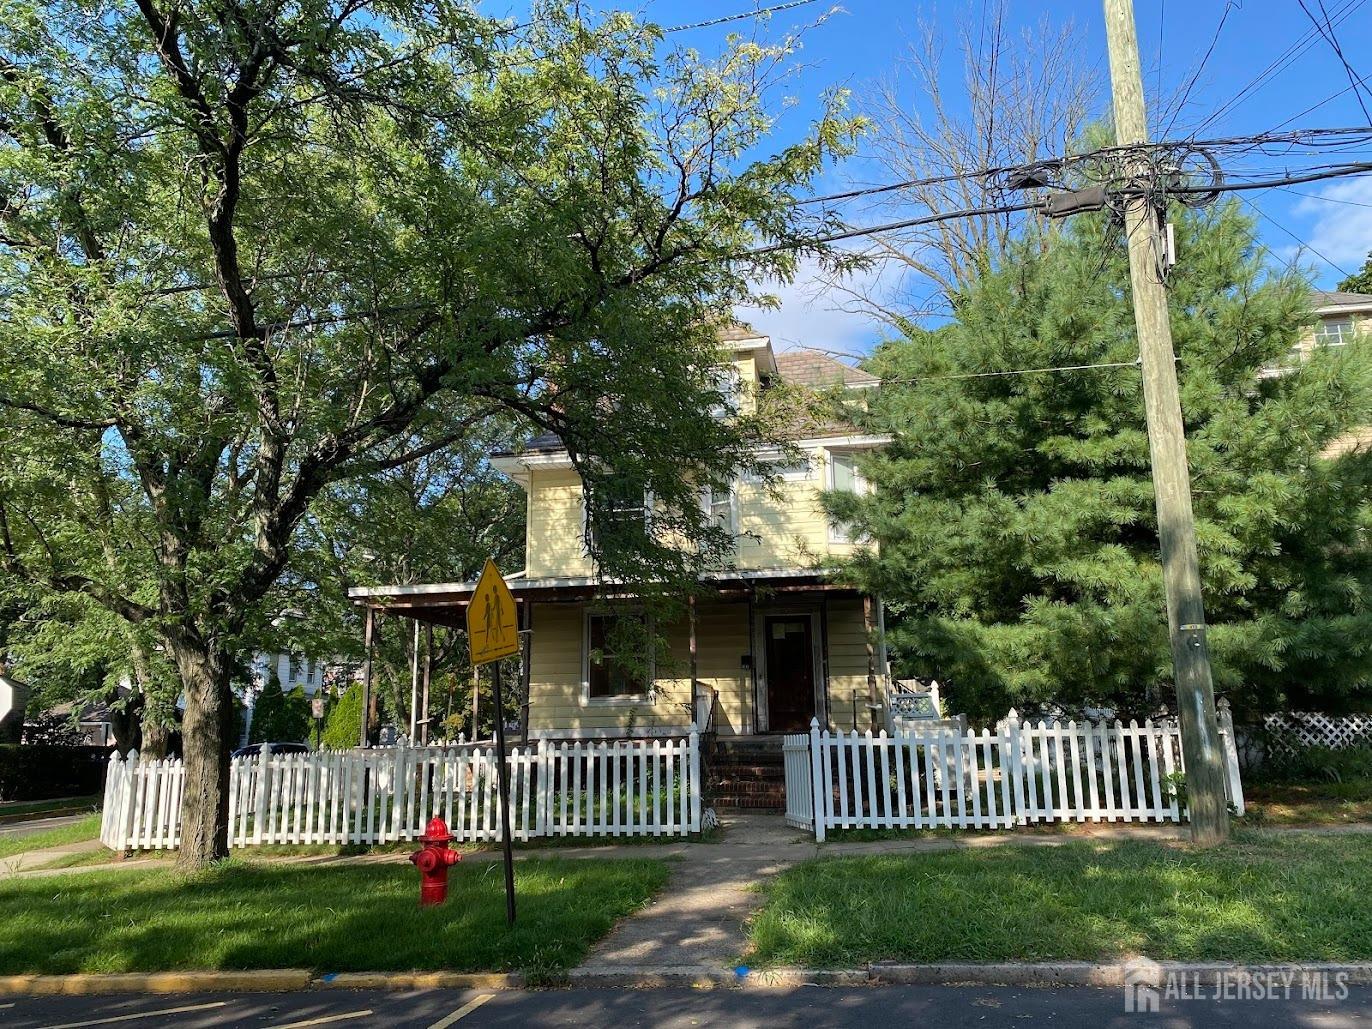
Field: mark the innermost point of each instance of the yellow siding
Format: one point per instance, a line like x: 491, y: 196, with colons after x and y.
x: 783, y: 526
x: 556, y: 689
x: 556, y: 525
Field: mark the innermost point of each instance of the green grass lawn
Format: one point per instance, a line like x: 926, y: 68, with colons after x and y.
x: 86, y: 829
x: 1266, y: 896
x: 326, y: 918
x: 15, y: 810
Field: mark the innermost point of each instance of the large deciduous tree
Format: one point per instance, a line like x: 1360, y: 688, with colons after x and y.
x: 1014, y: 509
x: 255, y: 249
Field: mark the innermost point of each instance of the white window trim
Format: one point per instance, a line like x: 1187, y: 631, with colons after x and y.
x: 837, y: 532
x: 586, y: 517
x: 707, y: 507
x: 1347, y: 328
x: 627, y: 700
x: 795, y: 474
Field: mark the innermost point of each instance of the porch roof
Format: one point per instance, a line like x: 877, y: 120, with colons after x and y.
x: 444, y: 602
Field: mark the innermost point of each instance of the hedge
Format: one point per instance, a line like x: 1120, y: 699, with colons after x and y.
x: 38, y: 771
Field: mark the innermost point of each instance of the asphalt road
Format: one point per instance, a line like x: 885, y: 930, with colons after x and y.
x: 30, y: 826
x: 941, y: 1006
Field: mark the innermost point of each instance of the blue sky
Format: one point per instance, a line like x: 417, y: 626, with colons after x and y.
x: 863, y: 40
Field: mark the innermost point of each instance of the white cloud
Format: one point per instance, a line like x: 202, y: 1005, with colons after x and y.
x: 812, y: 314
x: 1341, y: 221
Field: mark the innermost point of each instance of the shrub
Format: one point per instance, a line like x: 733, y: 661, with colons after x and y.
x: 39, y: 771
x: 343, y: 724
x: 280, y: 717
x: 1316, y: 765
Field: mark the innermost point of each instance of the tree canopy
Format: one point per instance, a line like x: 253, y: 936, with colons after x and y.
x: 251, y: 252
x: 1014, y: 512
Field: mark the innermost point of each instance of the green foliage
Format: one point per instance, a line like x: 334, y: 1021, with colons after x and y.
x: 1316, y: 765
x: 343, y: 720
x: 1015, y: 515
x: 279, y: 716
x: 1361, y: 280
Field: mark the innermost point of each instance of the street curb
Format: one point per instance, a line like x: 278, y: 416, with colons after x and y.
x: 1139, y: 971
x: 267, y: 980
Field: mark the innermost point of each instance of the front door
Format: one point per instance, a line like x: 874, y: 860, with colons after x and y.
x: 790, y: 666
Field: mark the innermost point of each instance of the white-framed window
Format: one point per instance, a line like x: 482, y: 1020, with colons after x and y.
x: 624, y: 507
x: 295, y: 663
x: 720, y: 507
x: 726, y: 379
x: 606, y: 676
x: 1334, y: 332
x: 797, y: 469
x: 845, y: 477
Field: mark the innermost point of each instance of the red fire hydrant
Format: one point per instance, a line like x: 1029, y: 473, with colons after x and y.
x: 433, y: 862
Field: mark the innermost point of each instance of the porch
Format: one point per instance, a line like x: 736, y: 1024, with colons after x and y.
x: 755, y: 653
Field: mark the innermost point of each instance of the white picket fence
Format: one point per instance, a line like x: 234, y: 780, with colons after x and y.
x: 1021, y: 774
x: 646, y: 787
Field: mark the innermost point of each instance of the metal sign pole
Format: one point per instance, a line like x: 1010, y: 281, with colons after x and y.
x: 504, y: 798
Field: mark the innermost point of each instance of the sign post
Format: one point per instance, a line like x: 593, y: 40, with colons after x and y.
x: 493, y: 634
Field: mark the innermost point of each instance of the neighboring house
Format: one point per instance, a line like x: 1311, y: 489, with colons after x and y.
x: 14, y: 701
x: 1339, y: 318
x: 773, y: 642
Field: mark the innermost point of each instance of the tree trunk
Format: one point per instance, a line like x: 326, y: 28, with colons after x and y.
x: 206, y: 729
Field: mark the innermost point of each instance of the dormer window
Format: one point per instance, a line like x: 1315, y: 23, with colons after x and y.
x: 726, y: 380
x: 1334, y: 332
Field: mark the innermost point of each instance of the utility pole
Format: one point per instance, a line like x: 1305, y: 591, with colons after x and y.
x: 1200, y: 739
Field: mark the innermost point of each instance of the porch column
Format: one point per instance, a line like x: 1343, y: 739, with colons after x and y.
x: 691, y: 609
x: 873, y: 695
x: 428, y: 676
x: 414, y: 684
x: 368, y: 701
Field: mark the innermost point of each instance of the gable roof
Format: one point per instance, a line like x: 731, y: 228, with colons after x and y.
x: 1327, y: 300
x: 810, y: 368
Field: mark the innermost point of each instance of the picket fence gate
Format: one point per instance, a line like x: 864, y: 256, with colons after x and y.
x: 381, y: 795
x: 1018, y: 775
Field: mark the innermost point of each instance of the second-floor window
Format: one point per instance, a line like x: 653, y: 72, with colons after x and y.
x: 624, y: 511
x: 720, y: 507
x: 844, y: 477
x: 727, y: 381
x: 1334, y: 332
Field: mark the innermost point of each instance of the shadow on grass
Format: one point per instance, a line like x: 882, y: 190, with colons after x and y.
x: 1259, y: 898
x: 329, y: 919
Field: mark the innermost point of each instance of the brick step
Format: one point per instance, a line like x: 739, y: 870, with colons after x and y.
x: 751, y: 787
x: 732, y: 803
x: 748, y: 771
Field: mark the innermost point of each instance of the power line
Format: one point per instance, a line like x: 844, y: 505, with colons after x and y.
x: 740, y: 16
x: 1300, y: 242
x: 1014, y: 371
x: 1191, y: 83
x: 1333, y: 40
x: 1278, y: 65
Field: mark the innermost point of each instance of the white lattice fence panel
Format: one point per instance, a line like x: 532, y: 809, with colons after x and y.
x: 1293, y: 730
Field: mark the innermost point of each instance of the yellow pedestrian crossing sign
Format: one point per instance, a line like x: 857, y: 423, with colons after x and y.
x: 492, y: 632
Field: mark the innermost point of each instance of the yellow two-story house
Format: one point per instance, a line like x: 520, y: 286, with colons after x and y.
x: 768, y: 642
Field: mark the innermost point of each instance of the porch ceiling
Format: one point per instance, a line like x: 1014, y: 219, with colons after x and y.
x: 445, y: 603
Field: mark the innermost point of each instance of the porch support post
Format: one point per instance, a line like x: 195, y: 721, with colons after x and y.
x: 869, y: 624
x: 428, y: 679
x: 691, y: 611
x: 526, y: 657
x: 824, y: 657
x: 414, y: 683
x: 368, y: 701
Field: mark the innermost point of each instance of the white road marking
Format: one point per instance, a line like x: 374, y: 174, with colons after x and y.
x: 140, y: 1014
x: 325, y: 1019
x: 462, y: 1012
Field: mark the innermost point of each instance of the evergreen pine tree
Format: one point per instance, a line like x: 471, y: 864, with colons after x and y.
x: 1018, y: 549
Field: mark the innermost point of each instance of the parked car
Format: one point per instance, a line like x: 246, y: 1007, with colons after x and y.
x: 253, y: 749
